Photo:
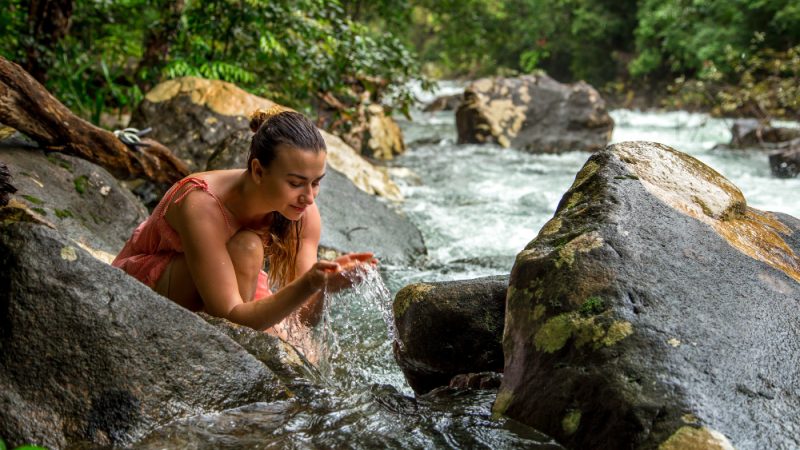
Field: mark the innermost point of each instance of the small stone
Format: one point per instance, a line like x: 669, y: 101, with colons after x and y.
x: 105, y: 190
x: 68, y: 253
x: 674, y: 342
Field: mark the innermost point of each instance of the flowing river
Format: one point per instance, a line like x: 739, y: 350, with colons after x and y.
x: 476, y: 206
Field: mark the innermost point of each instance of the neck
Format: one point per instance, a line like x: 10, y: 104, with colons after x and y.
x: 242, y: 203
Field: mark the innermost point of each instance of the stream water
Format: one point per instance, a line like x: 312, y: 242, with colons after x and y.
x: 476, y: 206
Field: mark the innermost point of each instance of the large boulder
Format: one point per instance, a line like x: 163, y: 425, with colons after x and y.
x: 786, y: 163
x: 89, y: 354
x: 79, y: 198
x: 449, y: 328
x: 354, y: 221
x: 534, y: 113
x: 205, y: 123
x: 656, y: 310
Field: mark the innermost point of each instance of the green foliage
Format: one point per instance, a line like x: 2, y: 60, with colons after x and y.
x: 762, y: 83
x: 737, y: 54
x: 291, y: 51
x: 688, y: 36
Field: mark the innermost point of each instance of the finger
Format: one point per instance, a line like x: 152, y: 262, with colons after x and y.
x: 363, y: 256
x: 327, y: 266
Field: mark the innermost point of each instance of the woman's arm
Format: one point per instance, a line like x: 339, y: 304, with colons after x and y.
x: 311, y: 312
x: 203, y: 232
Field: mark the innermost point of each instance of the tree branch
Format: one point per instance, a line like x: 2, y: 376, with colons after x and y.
x: 27, y: 106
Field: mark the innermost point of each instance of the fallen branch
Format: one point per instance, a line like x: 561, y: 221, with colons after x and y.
x: 27, y: 106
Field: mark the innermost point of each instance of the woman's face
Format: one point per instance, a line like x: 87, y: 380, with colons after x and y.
x: 291, y: 183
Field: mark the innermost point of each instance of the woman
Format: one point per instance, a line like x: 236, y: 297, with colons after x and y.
x: 204, y: 244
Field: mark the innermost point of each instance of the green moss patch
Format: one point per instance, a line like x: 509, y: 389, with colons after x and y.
x: 59, y: 162
x: 63, y: 213
x: 556, y: 331
x: 408, y: 295
x: 34, y: 200
x: 502, y: 402
x: 571, y: 421
x: 81, y: 184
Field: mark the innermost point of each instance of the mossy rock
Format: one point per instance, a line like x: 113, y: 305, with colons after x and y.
x: 644, y: 313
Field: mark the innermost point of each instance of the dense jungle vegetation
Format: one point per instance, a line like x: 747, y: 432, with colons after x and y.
x: 737, y: 57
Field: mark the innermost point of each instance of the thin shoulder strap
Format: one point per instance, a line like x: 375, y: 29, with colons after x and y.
x: 194, y: 183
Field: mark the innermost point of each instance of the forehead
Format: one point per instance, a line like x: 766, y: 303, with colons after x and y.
x: 307, y: 163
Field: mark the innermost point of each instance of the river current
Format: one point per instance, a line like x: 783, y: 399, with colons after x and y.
x: 477, y: 206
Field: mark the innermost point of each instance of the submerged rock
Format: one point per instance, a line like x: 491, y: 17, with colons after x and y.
x: 80, y: 199
x: 534, y: 113
x: 449, y: 328
x: 206, y: 123
x: 656, y: 310
x: 90, y: 355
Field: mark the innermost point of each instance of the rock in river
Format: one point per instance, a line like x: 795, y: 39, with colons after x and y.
x: 534, y: 113
x: 449, y: 328
x: 656, y: 310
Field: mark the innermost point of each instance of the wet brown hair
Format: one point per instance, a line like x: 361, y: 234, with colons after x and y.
x: 275, y: 128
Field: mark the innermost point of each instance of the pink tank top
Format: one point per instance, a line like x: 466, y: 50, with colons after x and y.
x: 154, y: 242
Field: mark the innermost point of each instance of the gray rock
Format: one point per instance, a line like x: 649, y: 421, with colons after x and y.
x: 534, y: 113
x: 444, y: 103
x: 90, y: 355
x: 656, y: 310
x: 80, y: 199
x: 449, y: 328
x: 786, y: 163
x: 745, y: 135
x: 6, y: 188
x: 353, y: 221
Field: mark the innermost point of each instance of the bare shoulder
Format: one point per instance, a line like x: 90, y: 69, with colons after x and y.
x: 199, y: 212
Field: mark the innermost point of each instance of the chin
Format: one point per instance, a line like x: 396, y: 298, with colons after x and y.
x: 292, y: 214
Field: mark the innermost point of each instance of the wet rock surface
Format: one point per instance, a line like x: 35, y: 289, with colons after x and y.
x: 80, y: 199
x: 354, y: 221
x: 656, y: 310
x: 88, y: 355
x: 449, y: 328
x: 534, y: 113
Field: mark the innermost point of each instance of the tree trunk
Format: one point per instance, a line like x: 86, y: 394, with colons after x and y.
x: 48, y: 22
x: 158, y: 40
x: 27, y: 106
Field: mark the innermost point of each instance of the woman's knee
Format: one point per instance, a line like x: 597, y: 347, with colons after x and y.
x: 246, y: 251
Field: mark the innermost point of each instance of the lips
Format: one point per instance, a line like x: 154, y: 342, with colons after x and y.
x: 298, y: 209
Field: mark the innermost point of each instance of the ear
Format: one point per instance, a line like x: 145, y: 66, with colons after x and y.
x: 256, y: 171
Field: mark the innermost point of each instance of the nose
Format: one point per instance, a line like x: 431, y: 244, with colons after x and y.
x: 307, y: 197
